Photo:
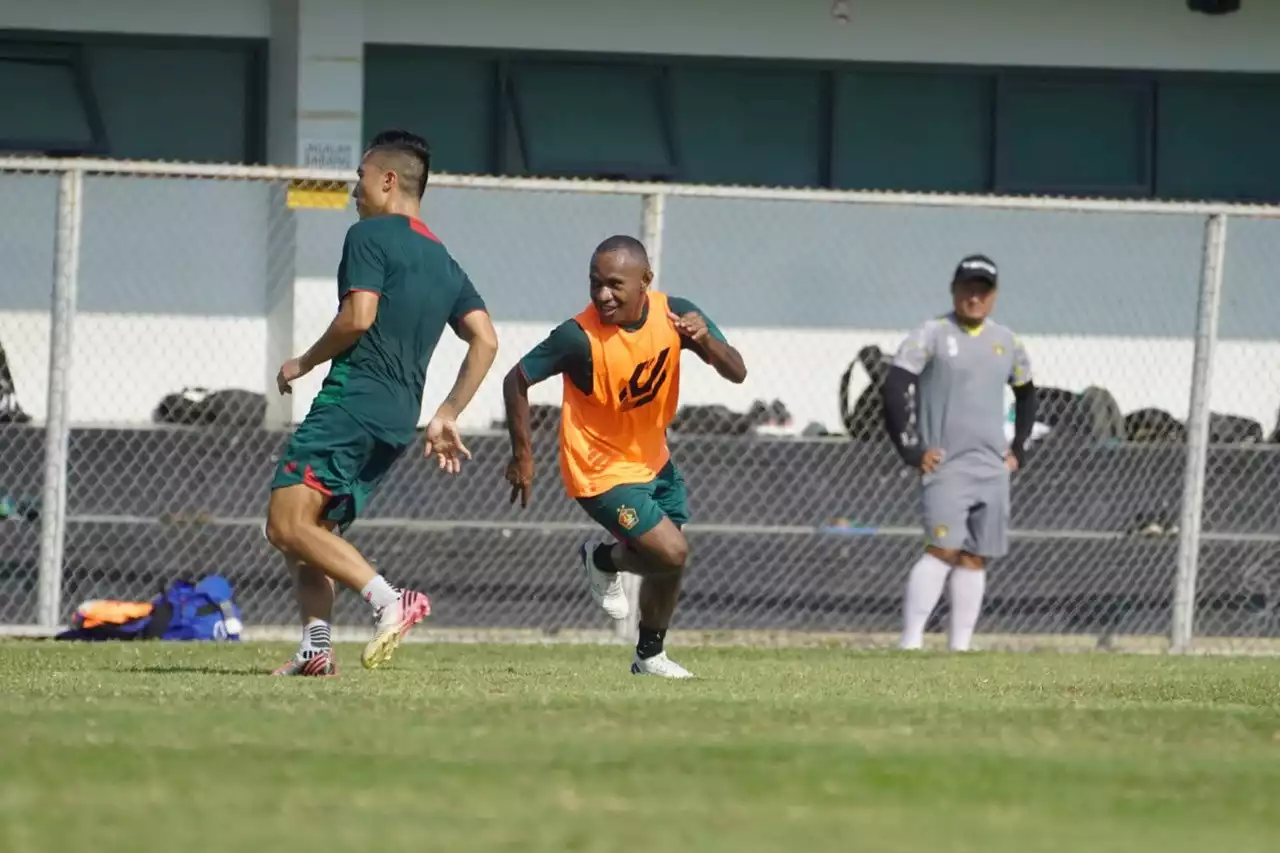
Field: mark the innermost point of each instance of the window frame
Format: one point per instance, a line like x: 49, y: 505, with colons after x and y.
x: 1240, y: 79
x: 986, y: 78
x: 1141, y: 86
x: 659, y: 79
x: 996, y: 75
x: 257, y: 83
x: 70, y: 56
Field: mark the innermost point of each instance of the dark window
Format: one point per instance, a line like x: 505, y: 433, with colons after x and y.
x: 188, y: 103
x: 46, y: 105
x: 850, y: 126
x: 759, y: 125
x: 133, y: 97
x: 926, y: 131
x: 1219, y: 140
x: 598, y: 120
x: 1078, y: 137
x: 447, y: 98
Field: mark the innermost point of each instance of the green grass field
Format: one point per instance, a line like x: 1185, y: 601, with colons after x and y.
x: 557, y: 748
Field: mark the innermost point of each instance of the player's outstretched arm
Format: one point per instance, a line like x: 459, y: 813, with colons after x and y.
x: 725, y: 358
x: 358, y: 311
x: 443, y: 438
x: 704, y: 337
x: 515, y: 397
x: 565, y: 351
x: 482, y: 348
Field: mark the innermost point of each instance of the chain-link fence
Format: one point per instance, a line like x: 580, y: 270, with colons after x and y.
x: 1237, y: 591
x: 204, y: 280
x: 28, y: 225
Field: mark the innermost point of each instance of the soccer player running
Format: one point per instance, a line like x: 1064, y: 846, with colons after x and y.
x: 959, y: 365
x: 620, y: 365
x: 398, y: 287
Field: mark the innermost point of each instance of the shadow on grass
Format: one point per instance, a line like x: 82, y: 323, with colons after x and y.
x: 181, y: 669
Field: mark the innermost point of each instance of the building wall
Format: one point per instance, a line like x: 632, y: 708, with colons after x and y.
x: 227, y: 18
x: 1156, y: 34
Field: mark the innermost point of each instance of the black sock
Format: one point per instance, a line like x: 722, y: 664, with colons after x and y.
x: 602, y: 556
x: 650, y: 642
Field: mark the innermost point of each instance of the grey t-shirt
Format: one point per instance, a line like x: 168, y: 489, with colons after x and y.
x: 960, y: 391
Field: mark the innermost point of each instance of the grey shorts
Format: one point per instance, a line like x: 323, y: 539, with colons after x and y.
x: 967, y: 514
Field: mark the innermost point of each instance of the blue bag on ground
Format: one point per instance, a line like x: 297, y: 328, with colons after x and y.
x: 183, y: 611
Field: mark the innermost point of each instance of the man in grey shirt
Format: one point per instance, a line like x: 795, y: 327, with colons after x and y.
x: 956, y: 367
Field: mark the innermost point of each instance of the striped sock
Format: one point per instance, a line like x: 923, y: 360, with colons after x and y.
x: 317, y: 637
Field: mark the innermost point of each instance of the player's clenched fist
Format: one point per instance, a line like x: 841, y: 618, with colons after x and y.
x: 930, y: 461
x: 692, y: 325
x: 520, y: 476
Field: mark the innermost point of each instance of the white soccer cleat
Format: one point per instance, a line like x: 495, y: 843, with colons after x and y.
x: 659, y: 665
x: 391, y: 624
x: 605, y: 588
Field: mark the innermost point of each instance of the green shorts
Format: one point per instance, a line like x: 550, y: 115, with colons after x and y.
x: 631, y: 510
x: 334, y: 454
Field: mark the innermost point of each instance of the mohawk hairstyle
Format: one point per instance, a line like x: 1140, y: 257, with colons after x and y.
x: 409, y: 156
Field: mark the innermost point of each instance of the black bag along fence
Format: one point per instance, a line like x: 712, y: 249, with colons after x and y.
x: 761, y: 559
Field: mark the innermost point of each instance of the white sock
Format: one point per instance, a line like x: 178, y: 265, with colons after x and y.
x: 317, y: 636
x: 967, y: 588
x: 379, y: 593
x: 924, y: 588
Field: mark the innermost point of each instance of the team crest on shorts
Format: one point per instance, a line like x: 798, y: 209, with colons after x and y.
x: 940, y: 532
x: 627, y: 517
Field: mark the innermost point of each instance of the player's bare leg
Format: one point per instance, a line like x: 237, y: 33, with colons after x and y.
x: 315, y: 595
x: 296, y: 527
x: 315, y: 592
x: 925, y: 584
x: 658, y: 556
x: 968, y: 585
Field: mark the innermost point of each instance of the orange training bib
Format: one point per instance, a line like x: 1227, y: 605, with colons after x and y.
x: 618, y: 434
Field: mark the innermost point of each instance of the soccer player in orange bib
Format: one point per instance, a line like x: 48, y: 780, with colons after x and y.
x: 620, y: 365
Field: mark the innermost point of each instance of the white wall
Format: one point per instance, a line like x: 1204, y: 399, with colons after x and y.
x: 1096, y: 33
x: 1091, y: 33
x: 233, y: 18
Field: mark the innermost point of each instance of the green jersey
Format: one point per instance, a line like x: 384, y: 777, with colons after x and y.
x: 566, y: 350
x: 421, y: 289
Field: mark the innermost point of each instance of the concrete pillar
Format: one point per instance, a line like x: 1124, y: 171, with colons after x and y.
x: 316, y: 92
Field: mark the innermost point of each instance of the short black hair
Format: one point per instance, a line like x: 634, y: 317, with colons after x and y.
x: 410, y: 157
x: 624, y: 243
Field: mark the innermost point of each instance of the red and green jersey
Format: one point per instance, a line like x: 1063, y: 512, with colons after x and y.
x: 421, y: 289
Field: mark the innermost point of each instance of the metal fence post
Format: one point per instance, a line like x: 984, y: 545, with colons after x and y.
x: 53, y: 509
x: 1184, y: 595
x: 653, y: 208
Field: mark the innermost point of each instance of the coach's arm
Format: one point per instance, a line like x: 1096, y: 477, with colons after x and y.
x: 1024, y: 418
x: 896, y: 396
